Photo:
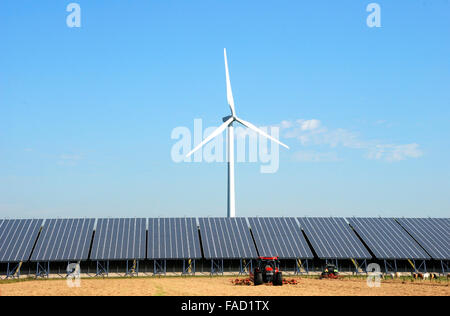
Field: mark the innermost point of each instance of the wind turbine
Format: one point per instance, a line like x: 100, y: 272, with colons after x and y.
x: 228, y: 123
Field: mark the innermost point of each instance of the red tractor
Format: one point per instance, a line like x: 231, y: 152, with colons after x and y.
x: 267, y: 270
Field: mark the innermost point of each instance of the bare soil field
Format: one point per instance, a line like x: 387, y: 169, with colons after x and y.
x: 220, y: 286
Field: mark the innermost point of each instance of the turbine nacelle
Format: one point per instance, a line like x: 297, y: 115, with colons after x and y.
x: 226, y: 118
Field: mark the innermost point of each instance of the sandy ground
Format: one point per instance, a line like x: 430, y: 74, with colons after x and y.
x: 219, y: 286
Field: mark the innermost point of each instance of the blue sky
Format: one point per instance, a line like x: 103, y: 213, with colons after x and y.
x: 86, y: 114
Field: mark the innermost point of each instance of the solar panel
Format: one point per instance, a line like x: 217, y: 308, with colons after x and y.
x: 227, y: 238
x: 17, y: 238
x: 64, y: 240
x: 333, y: 238
x: 433, y: 234
x: 280, y: 237
x: 173, y: 238
x: 119, y: 239
x: 386, y: 239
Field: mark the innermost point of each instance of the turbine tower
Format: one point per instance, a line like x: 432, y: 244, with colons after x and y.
x: 228, y: 123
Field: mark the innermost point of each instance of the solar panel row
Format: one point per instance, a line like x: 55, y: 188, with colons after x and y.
x: 64, y: 240
x: 17, y: 238
x: 223, y: 238
x: 226, y: 238
x: 173, y: 238
x: 332, y: 238
x: 433, y: 234
x: 386, y: 239
x: 281, y: 237
x: 119, y: 239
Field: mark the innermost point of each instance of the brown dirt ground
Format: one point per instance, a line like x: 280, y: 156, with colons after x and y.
x: 220, y: 286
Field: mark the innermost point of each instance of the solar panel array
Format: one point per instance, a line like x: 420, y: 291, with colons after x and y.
x: 433, y: 234
x: 387, y: 239
x: 119, y: 239
x: 17, y: 238
x: 227, y: 238
x: 280, y: 237
x: 173, y: 238
x: 224, y: 238
x: 333, y: 238
x: 64, y: 240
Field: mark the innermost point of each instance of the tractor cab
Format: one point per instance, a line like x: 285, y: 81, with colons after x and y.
x: 267, y: 270
x: 330, y: 272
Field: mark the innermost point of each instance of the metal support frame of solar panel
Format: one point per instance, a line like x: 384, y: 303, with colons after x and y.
x: 173, y: 239
x: 227, y: 238
x: 17, y: 238
x: 64, y: 240
x: 280, y: 237
x: 119, y: 239
x: 433, y: 234
x: 387, y: 239
x: 333, y: 238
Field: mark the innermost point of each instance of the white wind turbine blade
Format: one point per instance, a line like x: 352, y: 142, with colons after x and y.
x: 213, y: 134
x: 229, y: 91
x: 253, y: 127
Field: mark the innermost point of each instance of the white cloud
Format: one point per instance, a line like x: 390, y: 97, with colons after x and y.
x: 342, y: 137
x: 286, y: 124
x: 308, y: 125
x: 313, y: 133
x: 394, y: 153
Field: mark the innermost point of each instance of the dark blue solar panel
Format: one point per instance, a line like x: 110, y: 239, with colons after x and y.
x: 333, y: 238
x: 64, y: 240
x: 280, y: 237
x: 227, y: 238
x: 173, y: 238
x: 387, y: 239
x: 17, y: 238
x: 433, y: 234
x: 120, y: 239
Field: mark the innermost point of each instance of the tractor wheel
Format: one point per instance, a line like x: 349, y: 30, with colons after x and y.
x: 258, y: 278
x: 278, y: 279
